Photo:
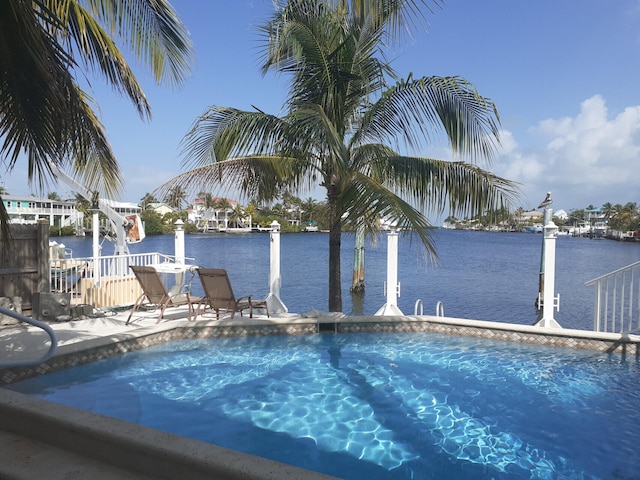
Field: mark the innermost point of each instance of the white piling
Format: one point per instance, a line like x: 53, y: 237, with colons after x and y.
x: 95, y: 231
x: 179, y: 242
x: 392, y: 286
x: 178, y: 251
x: 549, y: 300
x: 274, y: 303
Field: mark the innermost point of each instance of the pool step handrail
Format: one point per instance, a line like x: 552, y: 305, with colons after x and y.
x: 617, y: 300
x: 418, y: 308
x: 36, y: 323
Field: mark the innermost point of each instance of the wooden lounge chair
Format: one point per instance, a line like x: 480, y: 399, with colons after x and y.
x: 155, y: 293
x: 218, y: 294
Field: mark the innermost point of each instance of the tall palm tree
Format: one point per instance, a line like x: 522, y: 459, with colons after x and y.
x: 147, y: 199
x: 45, y: 45
x: 342, y: 115
x: 309, y: 207
x: 175, y: 197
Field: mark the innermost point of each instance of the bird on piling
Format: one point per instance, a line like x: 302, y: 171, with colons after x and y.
x: 547, y: 201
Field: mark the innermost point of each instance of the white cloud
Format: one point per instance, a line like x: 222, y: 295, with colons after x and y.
x: 587, y: 159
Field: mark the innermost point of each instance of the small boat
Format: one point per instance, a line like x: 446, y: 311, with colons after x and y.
x: 311, y: 227
x: 536, y: 228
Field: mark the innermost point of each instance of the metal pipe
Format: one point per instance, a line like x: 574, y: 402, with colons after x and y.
x: 36, y: 323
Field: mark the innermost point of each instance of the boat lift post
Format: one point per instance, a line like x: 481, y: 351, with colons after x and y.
x: 95, y: 230
x: 392, y: 286
x: 274, y: 303
x: 178, y: 242
x: 546, y: 296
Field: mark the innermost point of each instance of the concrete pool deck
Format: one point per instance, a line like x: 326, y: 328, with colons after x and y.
x: 39, y: 439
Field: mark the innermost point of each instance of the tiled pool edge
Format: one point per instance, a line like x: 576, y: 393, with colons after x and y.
x: 564, y: 338
x: 101, y: 348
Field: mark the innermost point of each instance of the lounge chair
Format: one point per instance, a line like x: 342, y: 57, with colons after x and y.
x: 218, y: 295
x: 155, y: 293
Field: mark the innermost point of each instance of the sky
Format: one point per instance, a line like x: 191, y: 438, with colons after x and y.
x: 564, y: 75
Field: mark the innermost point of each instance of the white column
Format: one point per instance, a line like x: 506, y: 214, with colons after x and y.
x: 178, y: 247
x: 179, y: 242
x: 95, y: 231
x: 274, y: 303
x: 549, y: 301
x: 393, y: 287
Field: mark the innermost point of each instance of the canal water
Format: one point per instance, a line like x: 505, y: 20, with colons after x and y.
x: 478, y: 275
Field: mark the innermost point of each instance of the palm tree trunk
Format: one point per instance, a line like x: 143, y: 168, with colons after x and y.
x: 335, y: 238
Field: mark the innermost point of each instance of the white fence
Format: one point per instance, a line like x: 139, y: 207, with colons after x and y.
x: 617, y: 300
x: 105, y: 281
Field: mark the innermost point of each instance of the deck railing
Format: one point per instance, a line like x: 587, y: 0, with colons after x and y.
x: 101, y: 282
x: 617, y: 300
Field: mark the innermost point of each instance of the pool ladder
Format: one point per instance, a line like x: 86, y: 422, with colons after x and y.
x: 36, y: 323
x: 418, y: 309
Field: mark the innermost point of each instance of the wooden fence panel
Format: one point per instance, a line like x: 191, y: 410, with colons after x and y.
x: 24, y: 266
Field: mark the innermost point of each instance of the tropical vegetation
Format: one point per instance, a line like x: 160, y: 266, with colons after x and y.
x: 346, y: 111
x: 47, y: 49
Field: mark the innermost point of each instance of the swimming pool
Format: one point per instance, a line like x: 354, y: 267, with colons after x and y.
x: 390, y: 406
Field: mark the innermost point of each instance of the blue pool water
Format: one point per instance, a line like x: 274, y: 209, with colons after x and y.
x: 391, y: 406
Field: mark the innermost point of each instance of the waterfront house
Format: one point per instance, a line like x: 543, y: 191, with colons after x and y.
x: 60, y: 213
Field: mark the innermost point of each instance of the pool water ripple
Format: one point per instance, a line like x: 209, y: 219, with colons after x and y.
x: 391, y: 406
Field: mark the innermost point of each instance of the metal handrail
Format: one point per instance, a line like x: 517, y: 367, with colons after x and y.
x: 36, y: 323
x: 616, y: 292
x: 418, y: 307
x: 610, y: 274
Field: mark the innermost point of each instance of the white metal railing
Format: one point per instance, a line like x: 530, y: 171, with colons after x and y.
x: 105, y: 281
x: 617, y: 300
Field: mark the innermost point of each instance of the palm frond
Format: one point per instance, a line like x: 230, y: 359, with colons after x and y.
x: 258, y: 177
x: 412, y: 109
x: 44, y: 113
x: 154, y: 32
x: 365, y: 198
x: 98, y: 49
x: 221, y: 133
x: 437, y: 185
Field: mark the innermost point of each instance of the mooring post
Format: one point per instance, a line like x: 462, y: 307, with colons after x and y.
x: 179, y: 242
x: 178, y: 247
x: 549, y: 301
x: 393, y: 287
x: 95, y: 232
x: 274, y: 303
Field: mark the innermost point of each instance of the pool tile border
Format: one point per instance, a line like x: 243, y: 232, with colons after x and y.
x: 101, y: 348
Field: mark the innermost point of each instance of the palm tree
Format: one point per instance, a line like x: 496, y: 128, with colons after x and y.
x: 341, y: 116
x: 309, y: 208
x: 45, y: 45
x: 147, y: 200
x: 175, y: 197
x: 237, y: 214
x: 608, y: 210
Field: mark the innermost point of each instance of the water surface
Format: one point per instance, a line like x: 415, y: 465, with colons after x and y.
x: 479, y: 275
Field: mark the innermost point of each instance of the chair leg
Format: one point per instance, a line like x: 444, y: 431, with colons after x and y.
x: 135, y: 307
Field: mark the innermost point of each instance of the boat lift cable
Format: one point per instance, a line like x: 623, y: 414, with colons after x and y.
x: 36, y: 323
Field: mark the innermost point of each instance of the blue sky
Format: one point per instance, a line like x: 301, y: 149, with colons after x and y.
x: 563, y: 74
